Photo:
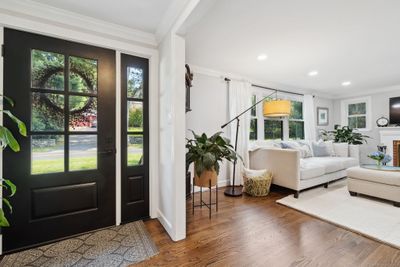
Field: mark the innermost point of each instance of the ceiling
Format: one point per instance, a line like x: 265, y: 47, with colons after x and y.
x: 344, y: 40
x: 144, y: 15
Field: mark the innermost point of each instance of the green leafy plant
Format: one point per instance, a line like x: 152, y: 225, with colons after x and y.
x: 207, y: 152
x: 344, y: 134
x: 7, y: 139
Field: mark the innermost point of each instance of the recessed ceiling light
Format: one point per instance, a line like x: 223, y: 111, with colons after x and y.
x: 346, y: 83
x: 262, y: 57
x: 313, y: 73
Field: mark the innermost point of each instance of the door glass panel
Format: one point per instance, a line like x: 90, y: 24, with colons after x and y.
x: 82, y: 152
x: 47, y: 112
x: 135, y: 149
x: 135, y: 116
x: 83, y: 113
x: 47, y: 70
x: 82, y: 75
x: 47, y: 154
x: 135, y: 82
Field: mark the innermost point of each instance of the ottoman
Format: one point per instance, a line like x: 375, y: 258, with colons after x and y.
x: 376, y: 183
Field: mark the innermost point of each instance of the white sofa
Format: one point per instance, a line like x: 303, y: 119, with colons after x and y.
x: 293, y: 171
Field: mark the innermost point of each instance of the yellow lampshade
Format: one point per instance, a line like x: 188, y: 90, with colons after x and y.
x: 277, y: 108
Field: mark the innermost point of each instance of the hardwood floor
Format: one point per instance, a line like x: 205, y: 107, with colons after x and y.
x: 251, y: 231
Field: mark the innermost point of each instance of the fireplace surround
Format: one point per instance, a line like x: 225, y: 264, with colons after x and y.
x: 396, y: 152
x: 390, y: 137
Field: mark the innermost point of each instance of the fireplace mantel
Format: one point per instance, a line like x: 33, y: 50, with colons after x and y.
x: 387, y: 138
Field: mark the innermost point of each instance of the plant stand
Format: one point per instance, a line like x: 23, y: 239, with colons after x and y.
x: 202, y: 203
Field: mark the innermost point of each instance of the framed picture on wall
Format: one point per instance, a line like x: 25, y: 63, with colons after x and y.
x: 322, y: 116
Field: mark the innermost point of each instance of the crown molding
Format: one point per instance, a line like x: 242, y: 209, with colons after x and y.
x: 27, y: 9
x: 221, y: 75
x: 393, y: 88
x: 175, y: 16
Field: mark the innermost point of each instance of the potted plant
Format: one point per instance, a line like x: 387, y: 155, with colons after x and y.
x: 344, y: 134
x: 207, y: 153
x: 7, y: 139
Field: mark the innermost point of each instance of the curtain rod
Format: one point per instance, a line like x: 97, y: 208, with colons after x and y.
x: 264, y: 87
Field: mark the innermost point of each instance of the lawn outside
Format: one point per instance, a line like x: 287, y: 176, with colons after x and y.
x: 42, y: 166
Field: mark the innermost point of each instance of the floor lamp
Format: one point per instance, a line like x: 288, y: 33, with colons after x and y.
x: 275, y: 108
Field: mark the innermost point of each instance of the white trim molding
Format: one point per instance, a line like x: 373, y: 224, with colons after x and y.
x: 344, y: 104
x: 34, y: 11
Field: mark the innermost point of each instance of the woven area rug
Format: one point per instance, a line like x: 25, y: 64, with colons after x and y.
x: 376, y: 219
x: 115, y: 246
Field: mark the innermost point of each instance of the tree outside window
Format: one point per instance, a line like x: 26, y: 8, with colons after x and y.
x: 253, y: 120
x: 296, y: 121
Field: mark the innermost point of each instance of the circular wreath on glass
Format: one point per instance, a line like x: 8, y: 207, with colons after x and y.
x: 48, y: 108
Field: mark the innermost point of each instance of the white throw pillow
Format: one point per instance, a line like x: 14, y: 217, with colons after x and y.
x: 253, y: 173
x: 322, y: 149
x: 330, y: 147
x: 341, y: 149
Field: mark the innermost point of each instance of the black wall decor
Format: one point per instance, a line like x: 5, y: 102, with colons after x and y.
x: 188, y: 83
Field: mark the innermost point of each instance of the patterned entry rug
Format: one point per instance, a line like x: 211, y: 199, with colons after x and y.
x: 115, y: 246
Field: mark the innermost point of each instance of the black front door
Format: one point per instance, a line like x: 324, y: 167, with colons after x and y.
x: 135, y: 141
x: 65, y: 171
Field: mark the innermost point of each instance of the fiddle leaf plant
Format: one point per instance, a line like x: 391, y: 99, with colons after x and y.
x: 7, y: 139
x: 208, y: 152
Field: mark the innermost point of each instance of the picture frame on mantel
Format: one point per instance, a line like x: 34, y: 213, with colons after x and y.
x: 322, y: 116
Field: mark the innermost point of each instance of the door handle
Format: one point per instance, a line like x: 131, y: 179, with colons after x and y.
x: 107, y: 152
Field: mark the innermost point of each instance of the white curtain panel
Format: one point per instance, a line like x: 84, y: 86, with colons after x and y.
x: 239, y: 101
x: 309, y: 118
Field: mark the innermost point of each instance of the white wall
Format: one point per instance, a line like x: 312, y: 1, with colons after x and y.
x: 379, y: 108
x: 209, y: 104
x: 324, y: 103
x: 172, y: 209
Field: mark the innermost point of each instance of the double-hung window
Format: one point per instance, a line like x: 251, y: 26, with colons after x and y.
x: 356, y: 113
x: 296, y: 120
x: 273, y: 129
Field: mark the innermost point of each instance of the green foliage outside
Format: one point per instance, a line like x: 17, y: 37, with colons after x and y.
x: 135, y: 82
x: 135, y: 118
x: 48, y: 73
x: 273, y: 129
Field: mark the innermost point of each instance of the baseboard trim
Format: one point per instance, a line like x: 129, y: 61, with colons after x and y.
x: 165, y: 223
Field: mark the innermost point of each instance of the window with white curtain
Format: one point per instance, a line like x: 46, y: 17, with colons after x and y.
x: 263, y: 128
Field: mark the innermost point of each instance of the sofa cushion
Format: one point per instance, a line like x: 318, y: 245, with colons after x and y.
x: 331, y: 164
x: 348, y: 162
x: 309, y: 170
x: 341, y: 149
x: 305, y: 151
